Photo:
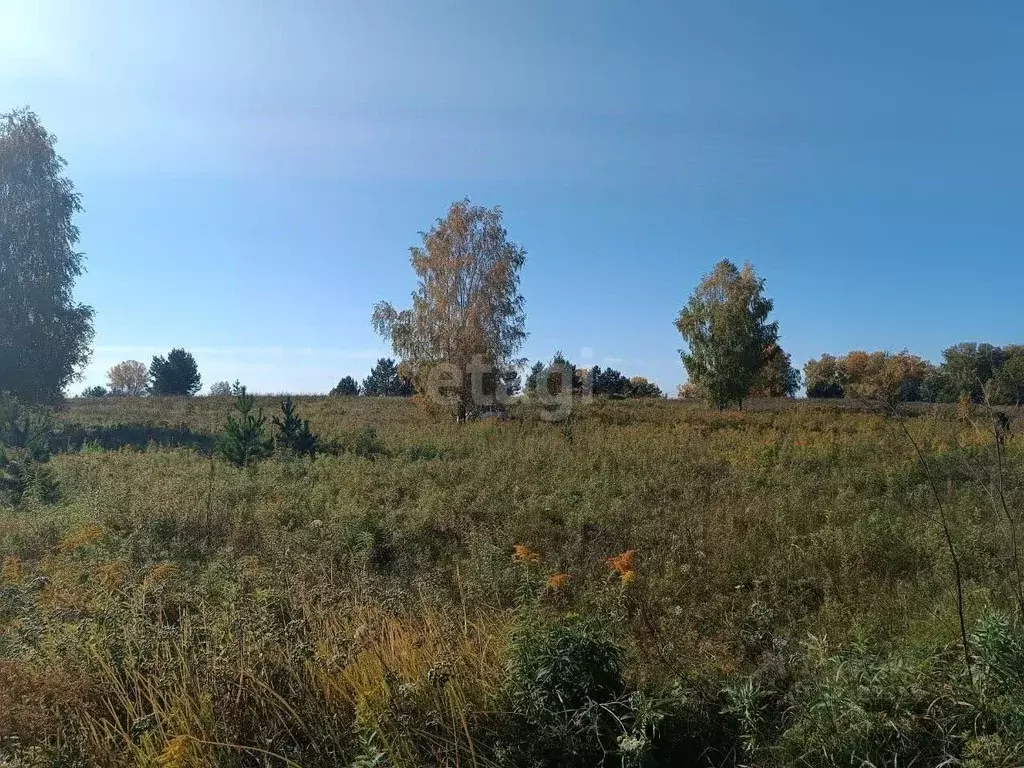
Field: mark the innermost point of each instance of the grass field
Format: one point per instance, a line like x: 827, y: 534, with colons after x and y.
x: 647, y: 583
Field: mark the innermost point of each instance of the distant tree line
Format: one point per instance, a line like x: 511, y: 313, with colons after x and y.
x: 595, y: 381
x: 969, y: 370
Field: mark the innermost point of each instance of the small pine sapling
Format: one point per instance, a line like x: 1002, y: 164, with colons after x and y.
x: 245, y: 441
x: 24, y: 453
x: 294, y: 434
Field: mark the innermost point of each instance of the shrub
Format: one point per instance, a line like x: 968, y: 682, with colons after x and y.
x: 565, y: 684
x: 365, y: 444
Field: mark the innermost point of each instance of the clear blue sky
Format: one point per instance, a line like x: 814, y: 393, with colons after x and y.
x: 253, y: 173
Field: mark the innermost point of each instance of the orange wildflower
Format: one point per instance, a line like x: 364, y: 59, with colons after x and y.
x: 628, y: 577
x: 522, y: 554
x: 623, y: 563
x: 558, y: 580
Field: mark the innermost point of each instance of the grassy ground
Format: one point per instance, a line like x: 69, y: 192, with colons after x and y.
x: 690, y: 587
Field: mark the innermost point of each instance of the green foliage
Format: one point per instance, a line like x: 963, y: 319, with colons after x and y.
x: 609, y: 382
x: 823, y: 377
x: 560, y: 375
x: 1007, y: 388
x: 365, y: 444
x: 221, y: 389
x: 44, y: 334
x: 294, y: 435
x: 778, y: 377
x: 245, y: 441
x: 347, y: 387
x: 966, y: 368
x: 94, y: 391
x: 729, y: 338
x: 511, y: 381
x: 25, y: 432
x: 385, y: 381
x: 565, y: 682
x: 176, y: 374
x: 858, y: 707
x: 23, y: 476
x: 533, y: 378
x: 979, y: 372
x: 641, y: 387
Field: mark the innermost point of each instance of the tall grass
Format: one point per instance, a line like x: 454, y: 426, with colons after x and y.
x: 787, y: 603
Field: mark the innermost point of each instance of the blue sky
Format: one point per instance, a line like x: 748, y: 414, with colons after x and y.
x: 253, y: 173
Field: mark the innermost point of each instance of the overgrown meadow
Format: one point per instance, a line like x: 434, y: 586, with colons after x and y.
x: 648, y: 583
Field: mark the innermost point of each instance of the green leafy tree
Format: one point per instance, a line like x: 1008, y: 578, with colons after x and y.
x: 347, y: 387
x: 1009, y: 382
x: 94, y: 391
x: 823, y: 377
x: 385, y: 380
x: 176, y: 374
x: 640, y: 387
x: 220, y: 389
x: 886, y: 376
x: 467, y: 314
x: 294, y: 434
x: 778, y: 377
x: 726, y: 328
x: 45, y: 335
x: 245, y: 441
x: 966, y: 369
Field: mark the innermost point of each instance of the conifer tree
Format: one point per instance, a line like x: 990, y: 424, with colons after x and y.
x: 347, y: 387
x: 245, y: 441
x: 294, y: 434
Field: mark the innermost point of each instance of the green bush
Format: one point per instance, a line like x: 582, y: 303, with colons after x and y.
x: 565, y: 685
